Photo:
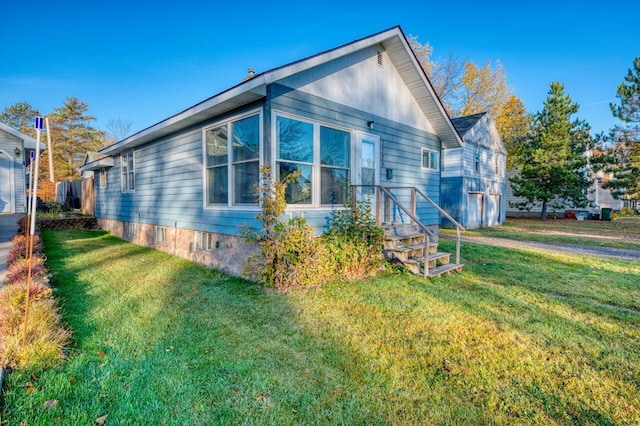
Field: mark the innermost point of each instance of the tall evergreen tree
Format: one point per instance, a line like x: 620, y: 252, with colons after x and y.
x: 20, y: 116
x: 552, y: 162
x: 623, y: 158
x: 72, y: 136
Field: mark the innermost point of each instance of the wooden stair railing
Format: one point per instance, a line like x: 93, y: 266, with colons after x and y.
x: 413, y: 244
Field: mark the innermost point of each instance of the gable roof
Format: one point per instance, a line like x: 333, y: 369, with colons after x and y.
x: 465, y: 123
x: 392, y: 40
x: 29, y: 142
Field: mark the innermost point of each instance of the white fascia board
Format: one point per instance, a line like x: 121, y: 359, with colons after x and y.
x: 97, y: 164
x: 150, y: 133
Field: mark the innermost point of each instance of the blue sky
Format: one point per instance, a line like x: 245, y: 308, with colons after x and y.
x: 144, y: 61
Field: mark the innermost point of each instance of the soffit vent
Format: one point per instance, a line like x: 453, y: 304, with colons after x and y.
x: 379, y: 58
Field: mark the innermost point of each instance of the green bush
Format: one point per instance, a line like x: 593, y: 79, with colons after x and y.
x: 626, y: 211
x: 291, y: 255
x: 355, y: 240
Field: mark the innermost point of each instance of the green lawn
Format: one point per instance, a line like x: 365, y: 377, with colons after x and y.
x: 517, y: 338
x: 623, y: 232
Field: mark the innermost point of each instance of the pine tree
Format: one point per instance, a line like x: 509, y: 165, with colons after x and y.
x: 552, y: 161
x: 72, y: 136
x: 20, y: 116
x: 623, y: 158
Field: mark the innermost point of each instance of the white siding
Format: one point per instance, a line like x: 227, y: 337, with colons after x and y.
x: 358, y: 81
x: 8, y: 145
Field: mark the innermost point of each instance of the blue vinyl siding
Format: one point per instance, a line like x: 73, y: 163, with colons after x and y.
x: 169, y: 171
x: 400, y: 145
x: 169, y: 187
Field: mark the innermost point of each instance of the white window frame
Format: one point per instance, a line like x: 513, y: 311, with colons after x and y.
x: 129, y: 229
x: 230, y: 201
x: 316, y: 195
x: 203, y: 241
x: 127, y: 184
x: 430, y: 166
x: 102, y: 177
x: 161, y: 234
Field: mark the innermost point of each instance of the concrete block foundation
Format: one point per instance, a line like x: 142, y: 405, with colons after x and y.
x: 228, y: 253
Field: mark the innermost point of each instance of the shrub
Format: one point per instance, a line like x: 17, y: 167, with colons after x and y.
x: 291, y: 255
x: 18, y: 271
x: 626, y: 211
x: 355, y: 240
x: 46, y: 338
x: 47, y: 191
x: 19, y: 248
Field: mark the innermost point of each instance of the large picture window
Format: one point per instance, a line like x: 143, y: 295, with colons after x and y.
x: 127, y: 162
x: 322, y: 154
x: 233, y: 162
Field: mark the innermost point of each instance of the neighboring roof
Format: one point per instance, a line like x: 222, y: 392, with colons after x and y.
x: 90, y: 157
x: 465, y: 123
x: 395, y: 44
x: 29, y: 142
x: 95, y: 161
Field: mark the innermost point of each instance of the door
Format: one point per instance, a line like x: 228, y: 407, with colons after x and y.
x: 366, y: 164
x: 474, y: 210
x: 6, y: 183
x: 493, y: 209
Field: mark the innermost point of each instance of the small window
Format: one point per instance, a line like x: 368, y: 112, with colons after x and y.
x: 103, y: 178
x: 203, y: 241
x: 476, y: 166
x: 161, y: 234
x: 495, y: 163
x: 129, y: 229
x: 429, y: 159
x: 127, y: 165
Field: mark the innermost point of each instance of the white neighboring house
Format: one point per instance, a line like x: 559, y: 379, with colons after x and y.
x: 473, y: 183
x: 15, y: 147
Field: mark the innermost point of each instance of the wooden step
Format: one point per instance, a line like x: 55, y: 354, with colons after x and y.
x: 403, y: 237
x: 444, y: 269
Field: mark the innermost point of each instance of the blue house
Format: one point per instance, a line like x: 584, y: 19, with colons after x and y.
x: 363, y: 113
x: 474, y: 180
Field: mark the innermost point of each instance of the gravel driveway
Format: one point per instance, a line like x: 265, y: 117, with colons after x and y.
x: 616, y: 253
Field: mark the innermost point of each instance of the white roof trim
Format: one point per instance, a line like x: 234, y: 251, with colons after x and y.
x: 28, y: 141
x: 100, y: 163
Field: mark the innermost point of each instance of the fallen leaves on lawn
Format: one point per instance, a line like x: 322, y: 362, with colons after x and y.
x: 51, y: 403
x: 101, y: 420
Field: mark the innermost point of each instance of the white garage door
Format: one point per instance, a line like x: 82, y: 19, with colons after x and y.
x: 474, y: 210
x: 5, y: 184
x: 493, y: 210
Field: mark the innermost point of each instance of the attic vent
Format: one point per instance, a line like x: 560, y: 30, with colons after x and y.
x: 379, y: 58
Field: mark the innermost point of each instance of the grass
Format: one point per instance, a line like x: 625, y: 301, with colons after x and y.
x: 517, y: 338
x: 624, y: 232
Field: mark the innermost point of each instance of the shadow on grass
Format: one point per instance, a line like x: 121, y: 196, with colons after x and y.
x: 159, y: 340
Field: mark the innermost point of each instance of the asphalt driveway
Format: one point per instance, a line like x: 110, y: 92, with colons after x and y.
x: 8, y: 228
